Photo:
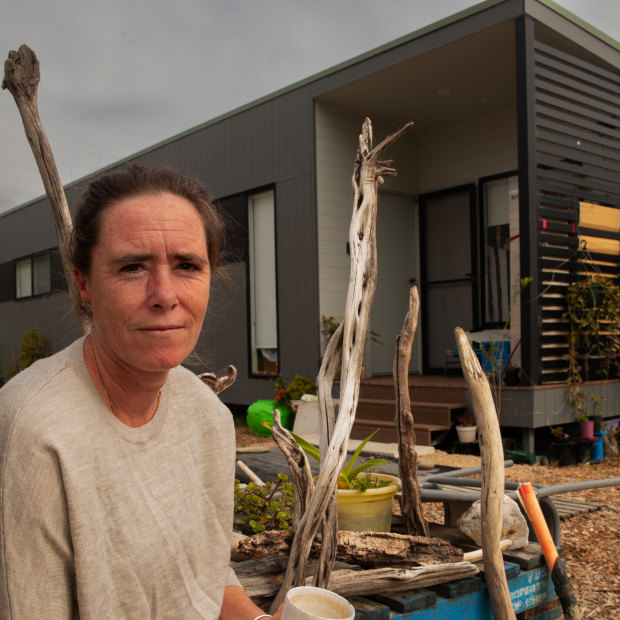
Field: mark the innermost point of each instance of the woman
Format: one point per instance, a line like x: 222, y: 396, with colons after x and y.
x: 117, y: 464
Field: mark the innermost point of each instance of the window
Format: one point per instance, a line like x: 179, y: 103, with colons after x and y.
x: 33, y: 276
x: 500, y: 215
x: 262, y: 284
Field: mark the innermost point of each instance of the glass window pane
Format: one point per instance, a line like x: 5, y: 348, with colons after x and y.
x: 262, y: 268
x: 497, y: 272
x: 23, y: 278
x: 42, y: 280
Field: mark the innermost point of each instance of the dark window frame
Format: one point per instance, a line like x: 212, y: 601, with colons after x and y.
x: 482, y: 289
x: 55, y: 283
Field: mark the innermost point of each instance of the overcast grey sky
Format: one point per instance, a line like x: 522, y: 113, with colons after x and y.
x: 118, y: 76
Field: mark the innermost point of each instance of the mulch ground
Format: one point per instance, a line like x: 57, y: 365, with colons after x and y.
x: 589, y: 541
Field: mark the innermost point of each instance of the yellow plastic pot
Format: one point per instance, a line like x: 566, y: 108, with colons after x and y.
x: 370, y: 511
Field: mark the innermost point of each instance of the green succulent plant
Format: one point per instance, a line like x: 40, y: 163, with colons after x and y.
x: 350, y: 477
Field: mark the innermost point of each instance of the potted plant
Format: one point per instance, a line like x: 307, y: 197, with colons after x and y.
x: 297, y: 388
x: 586, y: 425
x: 286, y: 399
x: 365, y: 498
x: 466, y: 428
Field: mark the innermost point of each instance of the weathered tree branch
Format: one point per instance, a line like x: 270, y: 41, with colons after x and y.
x: 299, y: 466
x: 492, y: 476
x: 413, y: 514
x: 347, y: 582
x: 367, y: 175
x: 21, y: 79
x: 366, y: 549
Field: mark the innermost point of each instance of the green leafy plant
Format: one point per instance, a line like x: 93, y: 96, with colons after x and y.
x: 593, y: 311
x: 299, y: 386
x: 34, y: 347
x: 558, y: 432
x: 350, y: 476
x: 266, y: 507
x: 286, y: 391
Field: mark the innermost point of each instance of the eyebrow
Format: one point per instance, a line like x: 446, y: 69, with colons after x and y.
x: 140, y: 258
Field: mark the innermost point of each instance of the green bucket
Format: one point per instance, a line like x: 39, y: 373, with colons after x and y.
x: 262, y: 411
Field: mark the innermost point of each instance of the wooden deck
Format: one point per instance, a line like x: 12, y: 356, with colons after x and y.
x: 436, y: 402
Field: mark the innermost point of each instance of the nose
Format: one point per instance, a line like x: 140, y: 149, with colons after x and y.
x: 161, y: 292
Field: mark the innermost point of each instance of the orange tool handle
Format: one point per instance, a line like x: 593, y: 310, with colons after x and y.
x: 561, y: 583
x: 528, y: 498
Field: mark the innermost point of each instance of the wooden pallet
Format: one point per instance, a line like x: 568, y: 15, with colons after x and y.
x: 528, y: 580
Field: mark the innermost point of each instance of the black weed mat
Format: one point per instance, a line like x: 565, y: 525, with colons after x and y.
x: 266, y: 465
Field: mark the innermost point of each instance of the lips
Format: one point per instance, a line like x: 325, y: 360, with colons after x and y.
x: 161, y: 328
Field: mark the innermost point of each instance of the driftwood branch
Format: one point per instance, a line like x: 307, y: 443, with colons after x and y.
x: 413, y: 514
x: 332, y: 364
x: 219, y: 384
x: 367, y: 174
x: 253, y: 477
x: 492, y: 477
x: 21, y: 79
x: 367, y: 549
x: 301, y: 474
x: 348, y: 582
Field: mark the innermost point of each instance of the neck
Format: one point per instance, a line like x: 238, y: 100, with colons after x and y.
x: 133, y: 399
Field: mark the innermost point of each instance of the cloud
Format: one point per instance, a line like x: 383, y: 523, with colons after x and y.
x: 117, y: 76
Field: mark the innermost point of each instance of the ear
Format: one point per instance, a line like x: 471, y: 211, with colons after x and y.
x: 82, y: 284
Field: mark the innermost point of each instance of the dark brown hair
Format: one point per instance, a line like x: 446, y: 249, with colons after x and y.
x: 135, y: 180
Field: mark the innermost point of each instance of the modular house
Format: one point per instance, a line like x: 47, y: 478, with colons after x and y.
x: 511, y: 171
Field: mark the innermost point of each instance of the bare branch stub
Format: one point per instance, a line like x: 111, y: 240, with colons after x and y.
x: 367, y: 175
x: 219, y: 384
x: 413, y: 514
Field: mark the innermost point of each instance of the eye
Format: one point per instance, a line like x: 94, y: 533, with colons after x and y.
x: 189, y: 267
x: 131, y: 268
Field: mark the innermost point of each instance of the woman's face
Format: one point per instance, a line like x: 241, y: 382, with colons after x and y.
x: 148, y: 286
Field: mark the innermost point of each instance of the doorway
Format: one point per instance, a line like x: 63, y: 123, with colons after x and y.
x: 398, y: 268
x: 448, y: 298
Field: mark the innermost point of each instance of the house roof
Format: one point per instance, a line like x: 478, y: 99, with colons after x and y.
x: 481, y: 37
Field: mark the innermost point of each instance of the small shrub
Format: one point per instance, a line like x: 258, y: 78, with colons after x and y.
x: 268, y: 507
x: 34, y: 347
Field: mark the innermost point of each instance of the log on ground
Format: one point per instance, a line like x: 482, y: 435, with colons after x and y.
x: 367, y: 549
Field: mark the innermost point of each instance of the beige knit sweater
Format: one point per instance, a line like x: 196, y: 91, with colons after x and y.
x: 100, y: 520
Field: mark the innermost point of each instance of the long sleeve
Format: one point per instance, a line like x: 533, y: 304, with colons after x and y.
x: 35, y: 540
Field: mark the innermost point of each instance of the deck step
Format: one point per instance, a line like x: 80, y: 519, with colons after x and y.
x: 441, y: 414
x: 419, y: 393
x: 387, y: 432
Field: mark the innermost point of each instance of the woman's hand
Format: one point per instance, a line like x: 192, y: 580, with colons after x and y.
x: 238, y: 606
x: 278, y: 613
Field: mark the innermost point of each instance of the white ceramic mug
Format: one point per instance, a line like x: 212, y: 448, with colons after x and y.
x: 309, y: 603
